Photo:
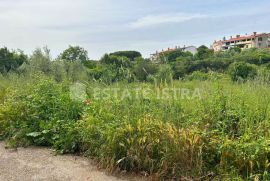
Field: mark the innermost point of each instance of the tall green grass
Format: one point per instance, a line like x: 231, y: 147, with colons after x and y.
x: 224, y: 131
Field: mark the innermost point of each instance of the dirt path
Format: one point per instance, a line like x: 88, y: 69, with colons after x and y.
x: 26, y: 164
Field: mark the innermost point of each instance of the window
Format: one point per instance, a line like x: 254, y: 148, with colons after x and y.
x: 260, y: 39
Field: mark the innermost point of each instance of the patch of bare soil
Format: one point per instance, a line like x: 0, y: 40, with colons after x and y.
x: 40, y: 164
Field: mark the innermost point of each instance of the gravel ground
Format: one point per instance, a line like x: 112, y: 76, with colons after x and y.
x: 28, y: 164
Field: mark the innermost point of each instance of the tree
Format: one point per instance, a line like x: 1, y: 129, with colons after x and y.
x: 74, y: 53
x: 172, y: 56
x: 75, y: 71
x: 242, y: 71
x: 203, y: 52
x: 116, y: 60
x: 40, y: 60
x: 11, y: 60
x: 144, y: 68
x: 181, y: 68
x: 131, y: 55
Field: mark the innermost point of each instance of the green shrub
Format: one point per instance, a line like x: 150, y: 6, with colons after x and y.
x: 248, y: 155
x: 197, y: 75
x: 225, y: 132
x: 37, y: 113
x: 131, y: 55
x: 164, y: 74
x: 144, y: 68
x: 242, y: 71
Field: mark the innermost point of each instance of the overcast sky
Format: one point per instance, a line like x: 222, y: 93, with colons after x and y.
x: 102, y: 26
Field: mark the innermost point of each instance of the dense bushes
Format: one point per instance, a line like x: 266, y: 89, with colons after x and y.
x: 183, y: 68
x: 10, y: 61
x: 182, y: 63
x: 131, y: 55
x: 144, y: 68
x: 225, y: 132
x: 37, y: 113
x: 171, y: 56
x: 242, y: 71
x: 218, y: 133
x: 73, y: 64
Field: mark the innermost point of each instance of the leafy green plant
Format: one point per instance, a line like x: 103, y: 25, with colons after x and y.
x: 32, y: 114
x: 242, y: 71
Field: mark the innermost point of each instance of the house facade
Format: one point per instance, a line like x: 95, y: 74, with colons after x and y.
x: 254, y: 40
x: 155, y: 57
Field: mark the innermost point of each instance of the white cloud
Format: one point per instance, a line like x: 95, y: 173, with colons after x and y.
x: 152, y: 20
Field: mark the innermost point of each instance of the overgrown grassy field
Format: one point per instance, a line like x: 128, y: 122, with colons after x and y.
x: 212, y: 126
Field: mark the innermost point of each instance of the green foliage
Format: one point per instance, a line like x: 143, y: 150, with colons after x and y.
x: 264, y: 74
x: 10, y: 61
x: 40, y: 61
x: 144, y: 68
x: 61, y: 70
x: 202, y: 76
x: 183, y: 68
x: 153, y: 146
x: 172, y: 56
x: 113, y: 73
x: 242, y: 71
x: 203, y: 53
x: 112, y: 69
x: 74, y: 53
x: 197, y: 75
x: 254, y: 56
x: 248, y: 155
x: 74, y: 71
x: 37, y: 113
x: 131, y: 55
x: 235, y: 50
x: 164, y: 74
x: 115, y: 60
x: 90, y: 64
x: 225, y: 130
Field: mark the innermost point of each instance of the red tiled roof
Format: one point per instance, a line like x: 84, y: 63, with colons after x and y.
x: 243, y: 37
x: 240, y: 38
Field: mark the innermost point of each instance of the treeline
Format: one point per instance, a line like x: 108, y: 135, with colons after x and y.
x: 74, y: 64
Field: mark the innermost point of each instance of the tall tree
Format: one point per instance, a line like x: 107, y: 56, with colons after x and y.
x: 74, y: 53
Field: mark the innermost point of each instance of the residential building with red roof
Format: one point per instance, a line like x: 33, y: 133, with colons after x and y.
x: 255, y: 40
